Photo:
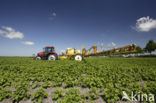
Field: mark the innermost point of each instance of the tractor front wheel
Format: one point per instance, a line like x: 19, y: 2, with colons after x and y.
x: 38, y: 58
x: 52, y: 57
x: 78, y: 57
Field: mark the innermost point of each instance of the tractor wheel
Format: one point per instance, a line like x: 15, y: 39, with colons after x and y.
x: 78, y: 57
x: 52, y: 57
x: 38, y: 58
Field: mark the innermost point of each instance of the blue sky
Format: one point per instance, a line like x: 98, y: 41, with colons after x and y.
x: 26, y: 26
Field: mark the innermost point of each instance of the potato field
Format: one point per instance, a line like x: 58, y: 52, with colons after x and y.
x: 93, y: 80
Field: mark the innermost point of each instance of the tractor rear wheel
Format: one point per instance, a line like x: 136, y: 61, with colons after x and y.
x: 52, y: 57
x: 78, y: 57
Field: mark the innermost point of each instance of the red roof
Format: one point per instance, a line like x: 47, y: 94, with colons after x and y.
x: 49, y: 47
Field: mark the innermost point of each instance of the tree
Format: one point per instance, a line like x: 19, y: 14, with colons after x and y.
x: 139, y: 49
x: 150, y: 46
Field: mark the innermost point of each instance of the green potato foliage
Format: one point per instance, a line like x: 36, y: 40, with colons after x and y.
x: 39, y: 95
x: 22, y: 78
x: 4, y: 93
x: 93, y: 93
x: 58, y: 94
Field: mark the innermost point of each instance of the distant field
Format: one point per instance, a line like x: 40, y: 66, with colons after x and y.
x: 96, y: 80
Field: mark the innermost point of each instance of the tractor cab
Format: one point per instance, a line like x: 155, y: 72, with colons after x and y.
x: 48, y: 49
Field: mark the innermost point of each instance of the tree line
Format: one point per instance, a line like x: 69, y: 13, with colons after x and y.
x: 149, y: 48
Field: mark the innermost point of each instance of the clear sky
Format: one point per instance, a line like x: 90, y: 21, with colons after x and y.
x: 26, y: 26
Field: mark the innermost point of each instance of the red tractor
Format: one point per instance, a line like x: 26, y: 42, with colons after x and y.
x: 47, y: 54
